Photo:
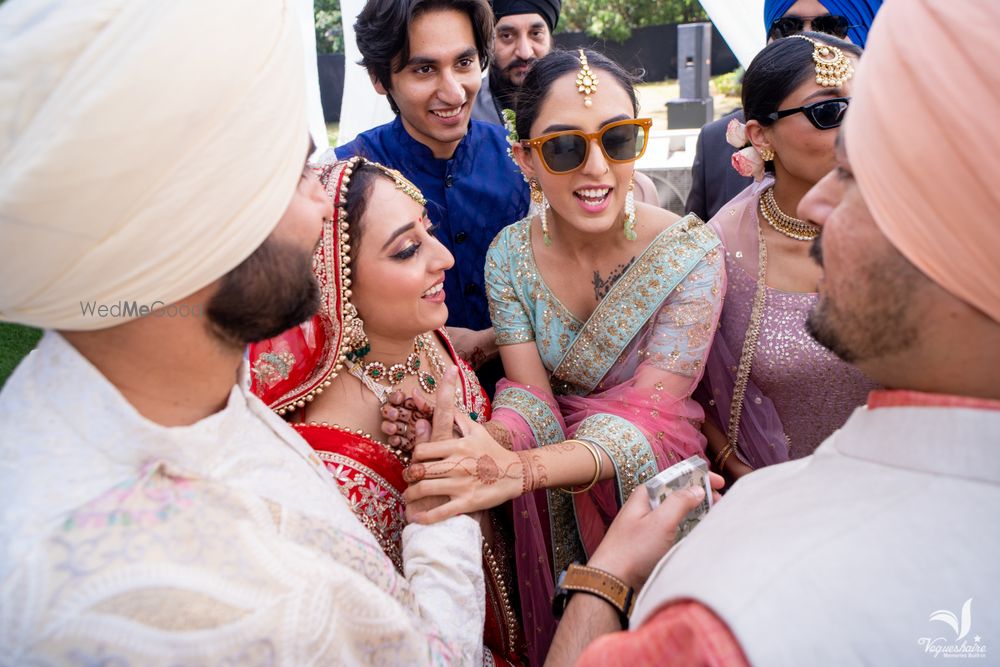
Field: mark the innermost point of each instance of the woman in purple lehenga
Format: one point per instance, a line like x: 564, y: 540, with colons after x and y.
x: 770, y: 392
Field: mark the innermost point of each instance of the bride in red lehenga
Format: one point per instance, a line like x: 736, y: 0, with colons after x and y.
x: 380, y: 329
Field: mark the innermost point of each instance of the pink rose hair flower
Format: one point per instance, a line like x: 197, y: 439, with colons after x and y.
x: 748, y: 162
x: 736, y: 134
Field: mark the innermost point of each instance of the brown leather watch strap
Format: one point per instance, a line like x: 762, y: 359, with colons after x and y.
x: 583, y: 579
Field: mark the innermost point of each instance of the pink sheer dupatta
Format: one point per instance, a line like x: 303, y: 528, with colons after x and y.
x: 673, y: 435
x: 532, y: 531
x: 762, y: 439
x: 625, y: 387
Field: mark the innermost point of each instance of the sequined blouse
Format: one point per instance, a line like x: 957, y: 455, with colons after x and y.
x: 813, y: 391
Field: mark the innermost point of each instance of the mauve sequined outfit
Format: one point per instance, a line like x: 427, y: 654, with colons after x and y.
x: 812, y: 390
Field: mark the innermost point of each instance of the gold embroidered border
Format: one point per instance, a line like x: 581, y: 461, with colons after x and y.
x: 535, y: 411
x: 534, y: 296
x: 513, y: 338
x: 566, y: 545
x: 379, y: 509
x: 631, y: 302
x: 625, y: 445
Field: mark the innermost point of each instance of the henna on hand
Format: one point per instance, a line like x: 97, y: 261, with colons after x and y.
x: 414, y: 473
x: 476, y: 358
x: 533, y: 474
x: 483, y: 469
x: 399, y: 420
x: 500, y: 434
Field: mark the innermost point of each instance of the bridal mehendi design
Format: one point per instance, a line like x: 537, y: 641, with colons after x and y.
x: 533, y: 474
x: 499, y: 433
x: 487, y: 470
x: 413, y: 473
x: 483, y: 468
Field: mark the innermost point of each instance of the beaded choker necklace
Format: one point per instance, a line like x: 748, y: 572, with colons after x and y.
x: 393, y: 375
x: 800, y: 230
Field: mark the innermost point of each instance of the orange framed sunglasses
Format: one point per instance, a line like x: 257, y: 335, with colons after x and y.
x: 566, y: 151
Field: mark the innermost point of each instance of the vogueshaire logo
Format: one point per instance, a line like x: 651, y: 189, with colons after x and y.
x: 960, y: 624
x: 131, y: 309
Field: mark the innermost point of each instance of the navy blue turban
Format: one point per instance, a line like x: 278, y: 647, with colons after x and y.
x: 859, y: 13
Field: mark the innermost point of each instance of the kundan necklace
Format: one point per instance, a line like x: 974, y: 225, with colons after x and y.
x: 396, y: 373
x: 793, y: 228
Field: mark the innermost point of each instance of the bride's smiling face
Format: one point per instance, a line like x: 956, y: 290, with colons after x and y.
x: 398, y: 266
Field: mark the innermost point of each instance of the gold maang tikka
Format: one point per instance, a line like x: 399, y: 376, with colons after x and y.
x: 833, y: 67
x: 586, y: 80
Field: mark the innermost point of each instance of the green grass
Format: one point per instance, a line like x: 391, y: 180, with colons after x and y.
x: 15, y: 342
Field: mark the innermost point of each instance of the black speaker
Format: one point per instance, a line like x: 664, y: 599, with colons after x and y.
x: 694, y: 108
x: 694, y: 59
x: 689, y: 113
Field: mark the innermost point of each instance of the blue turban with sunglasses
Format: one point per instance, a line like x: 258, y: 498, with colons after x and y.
x: 859, y: 13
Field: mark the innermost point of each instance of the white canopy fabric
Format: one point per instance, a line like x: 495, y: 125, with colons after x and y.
x: 362, y: 108
x: 317, y: 125
x: 741, y: 23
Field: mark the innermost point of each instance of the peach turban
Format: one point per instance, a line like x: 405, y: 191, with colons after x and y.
x: 147, y: 147
x: 923, y: 143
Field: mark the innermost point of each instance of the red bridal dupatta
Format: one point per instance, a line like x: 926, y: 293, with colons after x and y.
x: 290, y: 370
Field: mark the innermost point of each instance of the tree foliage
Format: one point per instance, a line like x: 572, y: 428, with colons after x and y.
x: 605, y: 19
x: 615, y: 19
x: 329, y: 32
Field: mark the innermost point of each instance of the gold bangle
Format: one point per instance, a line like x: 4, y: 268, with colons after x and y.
x: 598, y: 467
x: 723, y: 456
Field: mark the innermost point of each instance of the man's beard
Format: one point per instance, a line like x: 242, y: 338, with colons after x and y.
x: 268, y: 293
x: 503, y: 89
x: 516, y: 62
x: 884, y: 319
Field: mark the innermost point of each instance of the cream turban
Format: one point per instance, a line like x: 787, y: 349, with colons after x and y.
x: 924, y: 143
x: 147, y: 147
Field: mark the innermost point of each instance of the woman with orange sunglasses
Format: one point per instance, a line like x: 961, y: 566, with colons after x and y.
x: 604, y: 311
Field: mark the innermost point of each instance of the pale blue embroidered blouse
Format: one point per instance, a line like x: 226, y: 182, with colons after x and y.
x: 673, y: 333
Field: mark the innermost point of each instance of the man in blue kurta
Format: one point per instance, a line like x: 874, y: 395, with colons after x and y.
x: 473, y: 188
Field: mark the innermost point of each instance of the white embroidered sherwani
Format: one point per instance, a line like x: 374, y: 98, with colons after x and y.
x: 225, y: 542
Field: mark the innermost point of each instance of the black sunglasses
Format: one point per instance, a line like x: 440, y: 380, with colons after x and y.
x: 831, y: 24
x: 824, y: 115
